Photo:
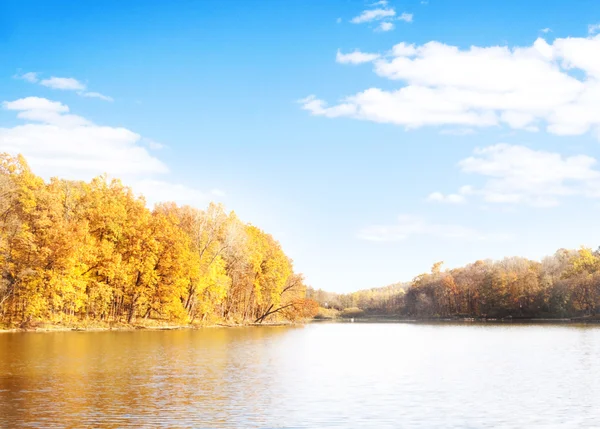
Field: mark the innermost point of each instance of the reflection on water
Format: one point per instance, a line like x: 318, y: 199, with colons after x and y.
x: 325, y: 375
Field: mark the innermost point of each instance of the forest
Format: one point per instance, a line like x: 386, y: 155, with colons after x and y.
x: 76, y: 251
x: 564, y: 285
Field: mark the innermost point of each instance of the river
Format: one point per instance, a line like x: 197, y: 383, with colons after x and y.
x: 316, y: 376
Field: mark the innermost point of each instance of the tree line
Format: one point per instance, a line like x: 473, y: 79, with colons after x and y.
x: 74, y: 250
x: 564, y: 285
x: 388, y: 299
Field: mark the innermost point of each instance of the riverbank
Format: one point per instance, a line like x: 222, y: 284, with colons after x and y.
x: 99, y: 327
x: 153, y: 326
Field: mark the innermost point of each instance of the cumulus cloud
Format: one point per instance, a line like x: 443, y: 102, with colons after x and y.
x: 528, y: 88
x: 593, y: 28
x: 43, y: 110
x: 56, y: 142
x: 408, y: 226
x: 356, y: 57
x: 516, y: 174
x: 35, y: 103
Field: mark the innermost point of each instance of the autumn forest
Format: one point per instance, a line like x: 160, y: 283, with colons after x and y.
x: 73, y: 251
x: 564, y: 285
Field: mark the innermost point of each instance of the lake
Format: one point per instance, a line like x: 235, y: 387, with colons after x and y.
x: 327, y: 375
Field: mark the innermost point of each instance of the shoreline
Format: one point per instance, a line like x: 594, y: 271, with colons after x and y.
x: 467, y: 320
x: 48, y: 328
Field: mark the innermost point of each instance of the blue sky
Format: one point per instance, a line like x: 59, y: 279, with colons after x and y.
x: 466, y: 130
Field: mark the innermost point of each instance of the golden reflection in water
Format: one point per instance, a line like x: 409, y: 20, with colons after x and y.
x: 111, y: 379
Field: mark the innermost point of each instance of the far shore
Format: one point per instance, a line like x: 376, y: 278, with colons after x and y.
x: 450, y: 320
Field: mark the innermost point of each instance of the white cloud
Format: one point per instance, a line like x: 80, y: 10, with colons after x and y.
x: 517, y: 174
x: 449, y: 199
x: 65, y: 83
x: 593, y: 28
x: 403, y: 50
x: 384, y: 13
x: 406, y: 17
x: 373, y: 15
x: 408, y: 226
x: 29, y: 77
x: 528, y: 88
x: 355, y: 57
x: 35, y: 103
x: 43, y: 110
x: 410, y: 106
x: 58, y: 143
x: 385, y: 26
x: 96, y: 95
x: 546, y: 30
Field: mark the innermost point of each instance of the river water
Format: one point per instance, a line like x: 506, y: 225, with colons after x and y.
x: 316, y: 376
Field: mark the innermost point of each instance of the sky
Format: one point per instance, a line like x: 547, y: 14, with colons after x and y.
x: 371, y: 139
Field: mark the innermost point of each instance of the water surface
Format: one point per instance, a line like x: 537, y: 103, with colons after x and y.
x: 317, y: 376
